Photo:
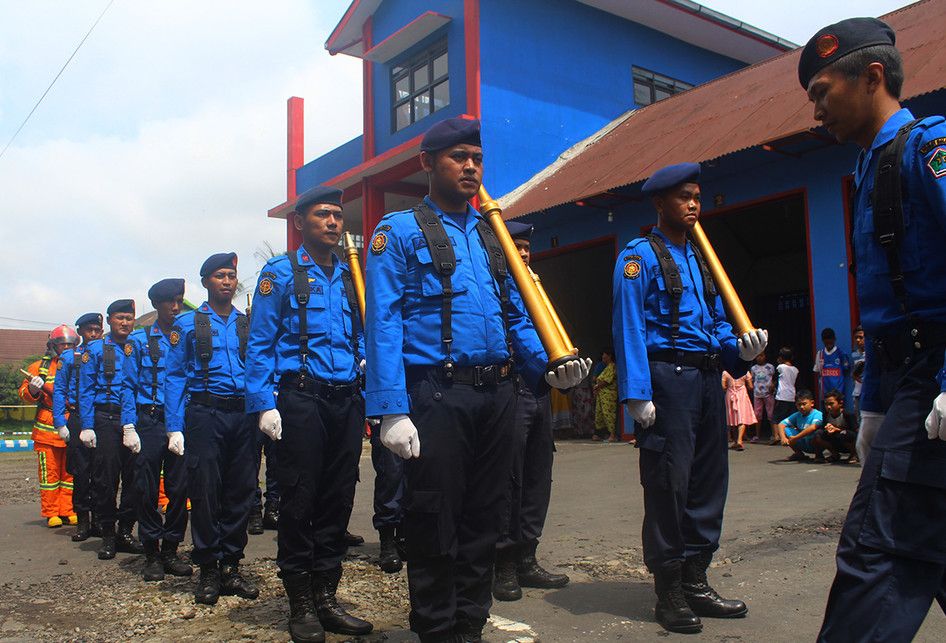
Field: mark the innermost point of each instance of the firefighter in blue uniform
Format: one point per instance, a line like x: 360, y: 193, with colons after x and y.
x: 672, y: 338
x: 891, y: 557
x: 204, y: 411
x: 143, y: 424
x: 306, y: 344
x: 530, y: 486
x: 444, y: 319
x: 66, y: 400
x: 100, y: 391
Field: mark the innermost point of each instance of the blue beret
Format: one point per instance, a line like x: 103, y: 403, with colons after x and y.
x: 218, y: 261
x: 450, y: 132
x: 318, y: 194
x: 89, y: 318
x: 166, y: 289
x: 670, y: 176
x: 121, y: 306
x: 838, y: 40
x: 519, y: 230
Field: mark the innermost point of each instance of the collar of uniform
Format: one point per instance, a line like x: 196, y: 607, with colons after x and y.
x: 671, y: 244
x: 472, y: 216
x: 156, y: 330
x: 305, y: 259
x: 205, y: 308
x: 108, y: 340
x: 890, y: 128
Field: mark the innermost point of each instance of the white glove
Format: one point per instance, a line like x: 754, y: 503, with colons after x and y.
x: 270, y: 423
x: 643, y: 411
x: 870, y: 424
x: 130, y: 438
x: 569, y: 374
x: 63, y: 432
x: 176, y: 442
x: 36, y: 384
x: 752, y: 344
x: 400, y: 436
x: 87, y: 437
x: 936, y: 420
x: 361, y: 366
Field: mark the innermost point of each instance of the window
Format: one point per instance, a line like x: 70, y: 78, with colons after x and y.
x: 419, y: 86
x: 649, y: 87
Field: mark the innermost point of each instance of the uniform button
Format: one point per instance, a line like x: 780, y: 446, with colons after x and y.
x: 438, y: 396
x: 384, y: 405
x: 398, y: 403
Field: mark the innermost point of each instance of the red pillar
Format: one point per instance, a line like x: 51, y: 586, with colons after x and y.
x: 367, y: 146
x: 295, y: 145
x: 372, y: 209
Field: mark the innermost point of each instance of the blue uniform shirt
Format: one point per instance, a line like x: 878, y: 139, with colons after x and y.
x: 65, y: 390
x: 138, y: 386
x: 923, y: 175
x: 641, y: 315
x: 273, y: 347
x: 183, y: 370
x: 404, y: 297
x: 94, y: 386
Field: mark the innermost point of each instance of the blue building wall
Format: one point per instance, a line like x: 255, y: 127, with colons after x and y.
x: 329, y: 165
x: 555, y: 71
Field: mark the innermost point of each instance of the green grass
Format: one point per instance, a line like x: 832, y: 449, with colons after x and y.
x: 8, y: 427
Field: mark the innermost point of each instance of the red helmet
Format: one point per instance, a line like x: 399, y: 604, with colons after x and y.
x: 63, y: 335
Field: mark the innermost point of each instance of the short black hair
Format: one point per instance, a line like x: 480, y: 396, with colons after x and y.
x: 804, y: 394
x: 828, y: 333
x: 609, y: 351
x: 857, y: 329
x: 854, y: 64
x: 836, y: 394
x: 785, y: 353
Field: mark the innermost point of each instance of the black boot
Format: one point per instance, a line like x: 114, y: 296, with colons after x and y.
x: 95, y: 529
x: 333, y: 616
x: 171, y: 562
x: 469, y: 631
x: 270, y: 518
x: 126, y: 542
x: 108, y: 547
x: 388, y: 560
x: 351, y: 540
x: 83, y: 527
x: 702, y: 598
x: 232, y: 582
x: 208, y: 584
x: 304, y: 625
x: 531, y: 574
x: 672, y: 610
x: 154, y: 568
x: 505, y: 581
x: 254, y: 525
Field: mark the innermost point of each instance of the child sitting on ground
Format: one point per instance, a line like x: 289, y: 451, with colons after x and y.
x: 798, y: 428
x: 840, y: 429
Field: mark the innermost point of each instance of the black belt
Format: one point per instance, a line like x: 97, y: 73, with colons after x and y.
x: 702, y: 361
x: 154, y: 410
x: 303, y: 384
x: 478, y: 376
x: 898, y: 348
x: 111, y: 409
x: 222, y: 402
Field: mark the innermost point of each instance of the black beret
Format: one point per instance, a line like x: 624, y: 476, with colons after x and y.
x: 838, y: 40
x: 218, y: 261
x: 519, y: 230
x: 121, y: 306
x: 166, y: 289
x: 450, y: 132
x: 89, y: 318
x: 670, y: 176
x: 318, y: 194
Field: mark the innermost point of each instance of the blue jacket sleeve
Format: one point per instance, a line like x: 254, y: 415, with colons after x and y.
x: 60, y: 385
x: 629, y: 328
x: 175, y: 381
x: 385, y: 276
x: 528, y: 352
x: 261, y: 345
x: 131, y: 366
x: 728, y: 346
x: 87, y: 388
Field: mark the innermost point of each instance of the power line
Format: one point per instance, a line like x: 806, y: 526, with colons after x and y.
x: 28, y: 321
x: 64, y: 65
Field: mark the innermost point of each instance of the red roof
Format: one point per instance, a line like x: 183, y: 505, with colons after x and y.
x: 17, y: 345
x: 753, y: 106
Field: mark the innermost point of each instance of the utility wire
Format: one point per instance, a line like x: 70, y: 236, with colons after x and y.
x: 64, y: 65
x: 27, y: 321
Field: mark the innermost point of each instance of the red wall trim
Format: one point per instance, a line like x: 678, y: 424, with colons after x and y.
x: 330, y: 43
x: 366, y: 167
x: 367, y: 79
x: 295, y: 155
x: 471, y: 39
x: 724, y: 26
x: 846, y: 189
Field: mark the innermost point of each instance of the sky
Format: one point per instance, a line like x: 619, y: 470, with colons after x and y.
x: 164, y: 139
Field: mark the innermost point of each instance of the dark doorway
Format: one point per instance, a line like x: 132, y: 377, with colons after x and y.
x: 764, y: 249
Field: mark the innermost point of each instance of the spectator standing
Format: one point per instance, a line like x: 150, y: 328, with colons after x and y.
x: 606, y: 398
x: 858, y: 356
x: 739, y: 411
x: 785, y: 375
x: 831, y: 364
x: 763, y: 392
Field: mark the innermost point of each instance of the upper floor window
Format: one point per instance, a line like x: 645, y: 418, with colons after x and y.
x: 649, y: 87
x: 420, y: 86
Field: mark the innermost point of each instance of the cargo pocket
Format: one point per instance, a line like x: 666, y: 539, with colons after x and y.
x: 422, y: 524
x: 905, y: 507
x: 196, y: 485
x: 295, y: 496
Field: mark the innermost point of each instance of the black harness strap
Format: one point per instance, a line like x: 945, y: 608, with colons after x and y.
x: 203, y: 343
x: 243, y: 334
x: 445, y: 264
x: 108, y: 366
x: 300, y: 286
x: 497, y: 266
x: 154, y: 351
x: 709, y: 286
x: 353, y: 306
x: 76, y: 365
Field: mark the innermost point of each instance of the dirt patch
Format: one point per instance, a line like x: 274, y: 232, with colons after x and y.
x: 18, y: 481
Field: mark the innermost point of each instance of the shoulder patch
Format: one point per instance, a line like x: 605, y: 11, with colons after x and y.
x: 929, y: 146
x: 86, y: 357
x: 265, y: 286
x: 129, y: 349
x: 384, y: 228
x: 937, y: 163
x: 379, y: 243
x: 174, y: 338
x: 632, y: 266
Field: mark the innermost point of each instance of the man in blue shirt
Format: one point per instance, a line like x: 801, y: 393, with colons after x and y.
x: 145, y: 433
x: 443, y: 321
x: 68, y: 424
x: 100, y: 386
x: 672, y: 338
x: 306, y: 343
x: 891, y: 557
x: 204, y: 409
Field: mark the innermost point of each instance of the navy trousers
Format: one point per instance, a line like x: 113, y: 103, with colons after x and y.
x: 218, y: 452
x: 153, y: 458
x: 388, y: 483
x: 454, y: 499
x: 264, y: 446
x: 684, y: 465
x: 891, y: 558
x: 530, y: 485
x: 317, y: 468
x: 113, y: 463
x: 79, y: 465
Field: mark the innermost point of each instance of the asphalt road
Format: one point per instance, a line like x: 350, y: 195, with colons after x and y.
x: 781, y: 527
